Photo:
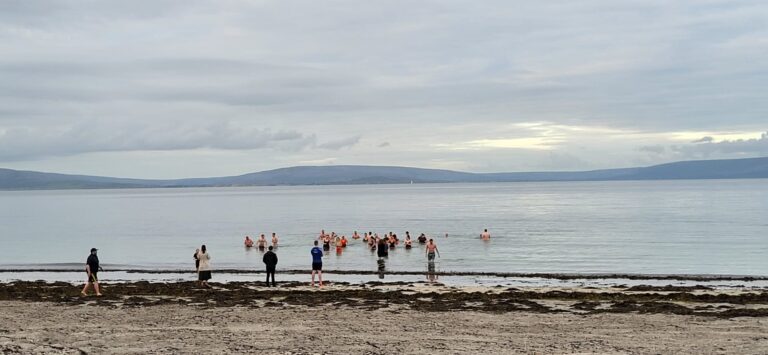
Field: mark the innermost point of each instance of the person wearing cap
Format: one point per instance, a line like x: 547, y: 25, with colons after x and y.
x: 92, y: 268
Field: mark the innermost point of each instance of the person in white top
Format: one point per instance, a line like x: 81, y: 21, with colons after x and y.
x: 204, y: 269
x: 485, y: 235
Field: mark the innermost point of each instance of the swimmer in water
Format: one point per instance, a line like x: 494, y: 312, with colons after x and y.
x: 274, y: 240
x: 422, y: 238
x: 485, y: 235
x: 431, y: 250
x: 327, y: 242
x: 344, y: 241
x: 262, y: 242
x: 355, y: 235
x: 248, y: 242
x: 408, y: 242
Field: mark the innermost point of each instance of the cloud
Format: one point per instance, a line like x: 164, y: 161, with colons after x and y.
x: 339, y: 144
x: 733, y: 148
x: 493, y: 85
x: 323, y: 161
x: 88, y: 137
x: 707, y: 139
x: 655, y: 149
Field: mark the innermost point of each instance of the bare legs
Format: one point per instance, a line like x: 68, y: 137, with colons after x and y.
x: 95, y: 288
x: 319, y: 276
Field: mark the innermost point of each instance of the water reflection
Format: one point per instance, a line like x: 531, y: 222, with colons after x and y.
x: 431, y: 274
x: 382, y: 267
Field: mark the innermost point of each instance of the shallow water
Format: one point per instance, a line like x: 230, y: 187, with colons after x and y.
x: 653, y: 227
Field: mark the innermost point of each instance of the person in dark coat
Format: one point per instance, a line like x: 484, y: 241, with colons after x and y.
x: 383, y: 249
x: 270, y: 259
x: 92, y: 268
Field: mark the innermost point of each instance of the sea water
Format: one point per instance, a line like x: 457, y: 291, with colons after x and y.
x: 628, y: 227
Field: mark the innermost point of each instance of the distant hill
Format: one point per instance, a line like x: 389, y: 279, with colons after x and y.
x: 355, y: 174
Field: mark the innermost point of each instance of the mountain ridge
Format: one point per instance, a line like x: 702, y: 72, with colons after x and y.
x: 745, y: 168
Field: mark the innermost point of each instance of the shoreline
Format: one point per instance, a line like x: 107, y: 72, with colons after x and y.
x: 553, y: 276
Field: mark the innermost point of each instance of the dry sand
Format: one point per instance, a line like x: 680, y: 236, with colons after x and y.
x: 50, y: 328
x: 245, y: 318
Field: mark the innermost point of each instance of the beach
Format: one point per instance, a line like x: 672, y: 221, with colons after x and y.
x: 379, y: 318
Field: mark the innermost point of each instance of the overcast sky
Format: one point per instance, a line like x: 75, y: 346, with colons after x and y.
x: 166, y: 89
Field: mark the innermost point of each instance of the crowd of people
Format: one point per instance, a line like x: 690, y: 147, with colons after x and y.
x: 380, y: 245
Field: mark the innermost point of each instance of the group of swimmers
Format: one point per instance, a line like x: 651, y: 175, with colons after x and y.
x: 380, y: 244
x: 261, y: 242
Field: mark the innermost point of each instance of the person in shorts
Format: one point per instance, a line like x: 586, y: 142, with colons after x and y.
x: 92, y: 269
x: 317, y: 264
x: 431, y: 250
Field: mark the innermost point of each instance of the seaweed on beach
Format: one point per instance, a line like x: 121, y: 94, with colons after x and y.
x: 374, y: 296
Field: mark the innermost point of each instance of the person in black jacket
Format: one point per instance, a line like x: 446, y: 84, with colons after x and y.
x: 383, y: 249
x: 270, y: 258
x: 92, y: 268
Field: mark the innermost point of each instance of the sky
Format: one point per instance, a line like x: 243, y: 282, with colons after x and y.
x: 172, y: 89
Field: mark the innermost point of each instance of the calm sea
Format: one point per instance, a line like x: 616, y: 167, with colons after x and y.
x: 654, y: 227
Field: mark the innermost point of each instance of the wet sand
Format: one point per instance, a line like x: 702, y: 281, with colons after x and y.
x: 375, y: 318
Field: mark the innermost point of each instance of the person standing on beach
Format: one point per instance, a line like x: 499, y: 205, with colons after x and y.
x: 431, y: 250
x: 485, y: 235
x: 92, y: 268
x: 204, y: 269
x: 197, y: 261
x: 270, y: 259
x: 317, y: 264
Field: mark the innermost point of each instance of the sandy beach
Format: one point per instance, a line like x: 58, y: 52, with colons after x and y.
x: 138, y: 318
